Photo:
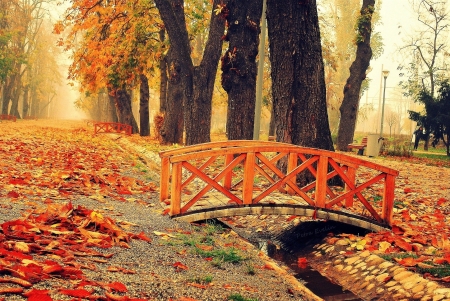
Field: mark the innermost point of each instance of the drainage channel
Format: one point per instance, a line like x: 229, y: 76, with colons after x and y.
x: 298, y: 242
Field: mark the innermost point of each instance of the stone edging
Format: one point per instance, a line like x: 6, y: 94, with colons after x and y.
x: 372, y: 278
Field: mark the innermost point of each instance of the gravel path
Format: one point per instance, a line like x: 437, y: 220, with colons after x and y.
x: 47, y: 163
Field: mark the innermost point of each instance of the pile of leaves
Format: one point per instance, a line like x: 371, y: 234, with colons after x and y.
x: 47, y: 243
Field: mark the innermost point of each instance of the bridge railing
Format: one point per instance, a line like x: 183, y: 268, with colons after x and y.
x: 112, y: 127
x: 248, y: 173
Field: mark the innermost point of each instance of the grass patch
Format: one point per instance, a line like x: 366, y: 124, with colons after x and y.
x: 238, y: 297
x: 391, y: 256
x: 437, y: 271
x: 203, y: 280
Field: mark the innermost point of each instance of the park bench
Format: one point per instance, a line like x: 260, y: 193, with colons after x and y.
x: 112, y: 127
x: 7, y: 117
x: 359, y: 146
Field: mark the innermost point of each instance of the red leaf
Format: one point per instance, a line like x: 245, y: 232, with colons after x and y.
x: 407, y: 190
x: 79, y: 293
x: 441, y: 201
x: 302, y: 262
x: 38, y: 295
x: 13, y: 194
x: 117, y: 286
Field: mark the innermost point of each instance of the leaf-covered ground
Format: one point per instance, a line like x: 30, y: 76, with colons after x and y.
x: 81, y: 220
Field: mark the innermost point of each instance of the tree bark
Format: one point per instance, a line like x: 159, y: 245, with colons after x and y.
x: 163, y: 77
x: 239, y: 68
x: 352, y: 88
x: 25, y: 102
x: 297, y: 70
x: 123, y: 106
x: 144, y: 120
x: 173, y: 125
x: 199, y: 108
x: 198, y: 102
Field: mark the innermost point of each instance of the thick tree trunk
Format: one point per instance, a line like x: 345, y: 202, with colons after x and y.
x: 198, y: 108
x: 239, y: 68
x: 123, y: 106
x: 298, y: 81
x: 352, y: 89
x: 112, y: 111
x: 144, y: 120
x: 172, y: 129
x: 15, y: 102
x: 198, y: 102
x: 7, y: 93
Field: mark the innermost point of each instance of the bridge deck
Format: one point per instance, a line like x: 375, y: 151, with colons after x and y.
x: 246, y: 177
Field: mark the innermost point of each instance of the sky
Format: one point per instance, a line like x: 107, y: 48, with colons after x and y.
x: 397, y: 19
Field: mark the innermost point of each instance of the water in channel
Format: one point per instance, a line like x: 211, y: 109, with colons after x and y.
x: 297, y: 242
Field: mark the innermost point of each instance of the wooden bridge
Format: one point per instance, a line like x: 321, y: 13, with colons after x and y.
x: 112, y: 127
x: 243, y: 177
x: 8, y: 117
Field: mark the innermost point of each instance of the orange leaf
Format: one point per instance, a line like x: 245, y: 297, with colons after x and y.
x: 143, y: 237
x: 403, y: 245
x: 117, y: 286
x: 407, y: 262
x: 179, y: 265
x: 186, y: 299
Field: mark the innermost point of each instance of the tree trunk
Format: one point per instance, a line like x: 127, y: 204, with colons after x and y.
x: 123, y: 106
x: 7, y: 93
x: 181, y: 69
x: 198, y: 108
x: 25, y: 102
x: 352, y: 88
x: 34, y: 110
x: 15, y: 101
x: 172, y: 129
x: 239, y: 68
x: 113, y: 114
x: 163, y: 77
x: 144, y: 120
x: 297, y: 70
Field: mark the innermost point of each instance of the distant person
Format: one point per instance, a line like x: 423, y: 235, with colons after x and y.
x: 417, y: 135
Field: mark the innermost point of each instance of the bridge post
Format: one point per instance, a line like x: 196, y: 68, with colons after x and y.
x: 291, y: 165
x: 175, y: 198
x: 321, y: 181
x: 249, y: 176
x: 164, y: 181
x: 227, y: 178
x: 388, y: 199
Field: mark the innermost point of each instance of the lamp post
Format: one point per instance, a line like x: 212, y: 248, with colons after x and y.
x: 385, y: 75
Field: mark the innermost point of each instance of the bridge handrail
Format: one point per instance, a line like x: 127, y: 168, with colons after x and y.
x: 345, y: 166
x: 8, y: 117
x: 112, y: 127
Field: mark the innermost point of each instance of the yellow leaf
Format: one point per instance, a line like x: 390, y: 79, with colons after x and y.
x: 21, y: 247
x: 383, y: 246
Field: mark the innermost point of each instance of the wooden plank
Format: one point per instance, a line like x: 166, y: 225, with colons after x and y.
x: 291, y: 165
x: 164, y: 180
x: 249, y: 177
x: 388, y: 199
x: 321, y: 181
x: 229, y: 175
x: 175, y: 191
